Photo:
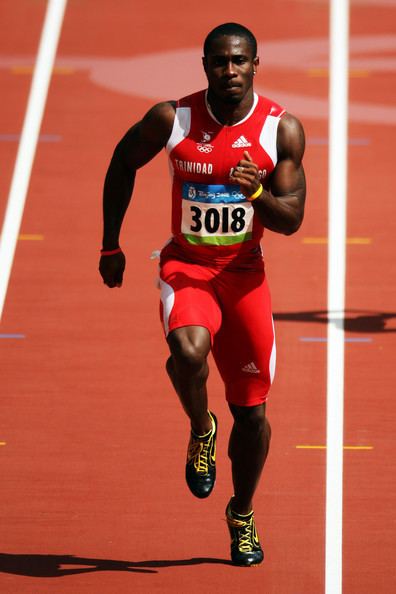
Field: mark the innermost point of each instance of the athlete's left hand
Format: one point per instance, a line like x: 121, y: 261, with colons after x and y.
x: 111, y: 269
x: 246, y: 174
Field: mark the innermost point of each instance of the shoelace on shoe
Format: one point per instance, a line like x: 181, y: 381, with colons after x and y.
x: 199, y: 451
x: 245, y: 537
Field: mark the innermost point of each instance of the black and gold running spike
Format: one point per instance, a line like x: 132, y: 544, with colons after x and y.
x: 201, y: 461
x: 245, y: 545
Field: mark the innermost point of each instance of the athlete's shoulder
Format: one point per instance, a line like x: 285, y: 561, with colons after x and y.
x: 270, y: 107
x: 163, y: 111
x: 158, y: 121
x: 291, y: 137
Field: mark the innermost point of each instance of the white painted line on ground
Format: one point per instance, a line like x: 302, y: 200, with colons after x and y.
x: 338, y: 144
x: 27, y: 147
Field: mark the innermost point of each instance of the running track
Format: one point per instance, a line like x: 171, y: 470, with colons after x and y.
x: 92, y: 439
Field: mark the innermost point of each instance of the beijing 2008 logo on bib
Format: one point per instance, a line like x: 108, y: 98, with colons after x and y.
x: 204, y: 145
x: 192, y: 192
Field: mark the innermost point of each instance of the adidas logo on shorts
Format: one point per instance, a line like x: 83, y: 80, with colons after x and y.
x: 241, y: 142
x: 250, y: 368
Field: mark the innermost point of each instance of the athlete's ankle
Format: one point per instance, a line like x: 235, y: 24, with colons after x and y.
x: 240, y: 507
x: 201, y: 427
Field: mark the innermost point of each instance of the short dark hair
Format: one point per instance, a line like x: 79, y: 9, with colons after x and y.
x: 228, y: 29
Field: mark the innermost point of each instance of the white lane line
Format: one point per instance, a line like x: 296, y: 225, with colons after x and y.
x: 29, y: 137
x: 338, y: 144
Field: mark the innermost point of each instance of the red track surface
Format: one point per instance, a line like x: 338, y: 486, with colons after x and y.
x: 92, y: 492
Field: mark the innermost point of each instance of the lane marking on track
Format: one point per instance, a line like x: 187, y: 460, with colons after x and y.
x: 323, y: 447
x: 30, y: 237
x: 28, y: 144
x: 324, y: 73
x: 41, y: 138
x: 17, y: 336
x: 29, y: 70
x: 336, y: 281
x: 325, y: 241
x: 324, y: 141
x: 362, y: 339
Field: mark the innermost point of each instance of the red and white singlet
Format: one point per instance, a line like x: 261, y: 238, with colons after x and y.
x: 216, y: 237
x: 212, y: 221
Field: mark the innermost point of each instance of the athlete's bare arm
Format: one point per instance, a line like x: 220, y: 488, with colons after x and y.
x: 280, y: 209
x: 139, y: 145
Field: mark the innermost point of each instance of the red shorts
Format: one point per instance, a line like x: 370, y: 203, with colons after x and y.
x: 235, y: 307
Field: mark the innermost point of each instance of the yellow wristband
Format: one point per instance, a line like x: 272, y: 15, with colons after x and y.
x: 256, y: 194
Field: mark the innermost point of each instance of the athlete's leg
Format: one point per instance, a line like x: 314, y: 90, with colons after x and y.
x: 191, y: 317
x: 244, y: 350
x: 188, y: 370
x: 248, y: 450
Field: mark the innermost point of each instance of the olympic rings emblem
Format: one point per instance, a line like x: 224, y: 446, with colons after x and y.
x: 205, y: 148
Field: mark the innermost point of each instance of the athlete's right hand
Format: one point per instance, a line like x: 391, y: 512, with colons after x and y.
x: 112, y: 269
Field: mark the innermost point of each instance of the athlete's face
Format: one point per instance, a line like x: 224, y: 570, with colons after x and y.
x: 229, y: 68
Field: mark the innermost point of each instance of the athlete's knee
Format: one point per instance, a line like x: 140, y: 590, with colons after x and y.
x: 189, y: 348
x: 251, y: 419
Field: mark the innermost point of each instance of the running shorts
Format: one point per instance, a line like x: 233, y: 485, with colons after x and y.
x: 235, y: 307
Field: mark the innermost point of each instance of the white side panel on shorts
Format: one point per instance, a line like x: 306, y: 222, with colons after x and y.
x: 181, y: 127
x: 272, y: 363
x: 268, y: 137
x: 168, y: 300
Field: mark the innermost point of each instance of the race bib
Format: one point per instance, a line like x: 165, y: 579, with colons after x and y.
x: 215, y: 214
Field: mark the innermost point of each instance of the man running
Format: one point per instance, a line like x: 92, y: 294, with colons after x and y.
x: 236, y: 163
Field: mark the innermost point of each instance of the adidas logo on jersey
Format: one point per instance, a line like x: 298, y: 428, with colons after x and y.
x: 250, y: 368
x: 241, y: 142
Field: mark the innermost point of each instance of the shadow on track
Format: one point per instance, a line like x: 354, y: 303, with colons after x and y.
x: 52, y: 566
x: 355, y: 320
